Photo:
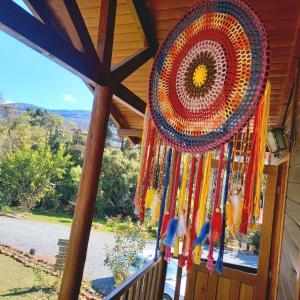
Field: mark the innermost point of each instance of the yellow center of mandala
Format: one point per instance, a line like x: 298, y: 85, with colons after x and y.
x: 200, y: 75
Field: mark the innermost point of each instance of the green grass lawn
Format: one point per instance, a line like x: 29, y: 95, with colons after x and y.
x: 98, y: 224
x: 19, y: 282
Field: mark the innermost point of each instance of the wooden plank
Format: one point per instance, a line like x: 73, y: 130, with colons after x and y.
x: 293, y: 191
x: 266, y: 234
x: 144, y: 287
x: 233, y: 274
x: 234, y: 289
x: 161, y: 278
x: 246, y: 292
x: 131, y: 293
x: 292, y: 251
x: 190, y: 284
x: 155, y: 280
x: 146, y: 22
x: 223, y: 289
x: 293, y: 210
x: 212, y: 286
x: 149, y: 283
x: 291, y: 228
x: 138, y: 286
x: 288, y: 278
x: 200, y: 285
x: 294, y: 174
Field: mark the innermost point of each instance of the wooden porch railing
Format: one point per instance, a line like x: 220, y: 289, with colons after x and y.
x: 146, y: 284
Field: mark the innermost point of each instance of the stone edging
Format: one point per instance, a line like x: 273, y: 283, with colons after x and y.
x: 30, y: 261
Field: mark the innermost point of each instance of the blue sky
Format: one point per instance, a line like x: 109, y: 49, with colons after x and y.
x: 27, y: 76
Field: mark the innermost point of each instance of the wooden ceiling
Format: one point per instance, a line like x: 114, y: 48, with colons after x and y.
x: 281, y: 18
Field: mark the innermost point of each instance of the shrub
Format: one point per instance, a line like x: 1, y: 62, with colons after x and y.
x: 117, y: 184
x: 28, y: 175
x: 124, y: 255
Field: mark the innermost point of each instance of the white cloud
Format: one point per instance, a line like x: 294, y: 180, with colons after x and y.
x: 69, y: 98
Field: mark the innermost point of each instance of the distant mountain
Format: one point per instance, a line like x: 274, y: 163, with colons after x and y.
x: 80, y: 117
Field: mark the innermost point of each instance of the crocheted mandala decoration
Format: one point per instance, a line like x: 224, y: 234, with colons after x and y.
x: 209, y: 75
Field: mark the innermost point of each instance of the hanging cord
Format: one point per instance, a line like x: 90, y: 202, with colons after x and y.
x: 190, y: 193
x: 181, y: 231
x: 202, y: 205
x: 144, y: 154
x: 219, y: 262
x: 163, y: 200
x: 252, y: 170
x: 147, y: 175
x: 173, y: 223
x: 195, y: 211
x: 216, y: 214
x: 262, y: 150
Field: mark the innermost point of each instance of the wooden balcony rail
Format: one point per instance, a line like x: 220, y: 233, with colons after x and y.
x: 148, y: 283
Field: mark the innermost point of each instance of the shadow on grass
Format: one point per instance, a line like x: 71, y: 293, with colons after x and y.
x: 20, y: 292
x: 65, y: 221
x: 26, y: 291
x: 104, y: 285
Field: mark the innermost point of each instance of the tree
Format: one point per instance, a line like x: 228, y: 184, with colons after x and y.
x: 117, y: 184
x: 28, y: 175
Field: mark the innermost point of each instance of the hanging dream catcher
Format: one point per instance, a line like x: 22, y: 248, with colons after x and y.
x: 208, y: 79
x: 209, y: 75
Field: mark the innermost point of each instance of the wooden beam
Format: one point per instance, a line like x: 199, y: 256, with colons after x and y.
x: 130, y: 64
x: 75, y: 15
x: 106, y: 32
x: 147, y: 24
x: 125, y: 132
x: 40, y: 10
x: 43, y: 11
x: 129, y: 99
x: 88, y: 187
x: 117, y: 117
x: 29, y: 30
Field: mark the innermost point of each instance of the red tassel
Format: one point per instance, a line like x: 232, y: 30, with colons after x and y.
x: 195, y: 211
x: 191, y: 184
x: 216, y: 225
x: 165, y: 223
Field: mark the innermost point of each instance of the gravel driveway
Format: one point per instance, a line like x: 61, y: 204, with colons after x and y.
x: 43, y: 237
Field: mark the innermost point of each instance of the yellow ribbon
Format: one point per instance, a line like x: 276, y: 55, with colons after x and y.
x: 262, y: 150
x: 202, y: 205
x: 182, y: 196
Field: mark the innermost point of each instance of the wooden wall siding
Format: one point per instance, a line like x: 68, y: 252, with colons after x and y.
x: 289, y: 275
x: 231, y: 285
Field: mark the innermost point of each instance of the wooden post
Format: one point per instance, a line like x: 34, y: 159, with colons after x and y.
x: 86, y: 197
x: 266, y: 234
x: 87, y: 192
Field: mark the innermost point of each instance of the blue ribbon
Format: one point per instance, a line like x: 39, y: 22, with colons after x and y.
x: 219, y: 262
x: 163, y: 200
